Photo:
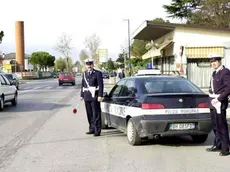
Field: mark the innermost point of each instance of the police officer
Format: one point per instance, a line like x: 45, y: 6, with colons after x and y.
x: 218, y: 103
x: 92, y: 92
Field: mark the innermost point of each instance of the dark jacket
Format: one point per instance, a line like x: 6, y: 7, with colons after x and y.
x: 221, y: 85
x: 95, y: 79
x: 121, y: 75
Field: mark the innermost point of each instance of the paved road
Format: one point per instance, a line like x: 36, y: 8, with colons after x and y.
x: 46, y: 84
x: 37, y: 102
x: 55, y: 140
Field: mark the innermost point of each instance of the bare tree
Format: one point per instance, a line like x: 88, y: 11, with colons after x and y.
x: 1, y: 36
x: 92, y: 43
x: 83, y: 55
x: 64, y: 46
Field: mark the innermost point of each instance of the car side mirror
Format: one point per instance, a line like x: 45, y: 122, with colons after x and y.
x: 105, y: 94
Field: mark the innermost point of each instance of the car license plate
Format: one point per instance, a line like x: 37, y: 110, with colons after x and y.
x: 182, y: 126
x: 65, y: 79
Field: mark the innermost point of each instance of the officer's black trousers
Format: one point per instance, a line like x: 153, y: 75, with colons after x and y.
x: 220, y: 129
x: 93, y: 111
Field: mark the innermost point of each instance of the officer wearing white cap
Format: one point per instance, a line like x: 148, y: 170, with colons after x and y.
x: 92, y: 92
x: 218, y: 103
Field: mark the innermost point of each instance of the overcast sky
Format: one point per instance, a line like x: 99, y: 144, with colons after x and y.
x: 45, y: 20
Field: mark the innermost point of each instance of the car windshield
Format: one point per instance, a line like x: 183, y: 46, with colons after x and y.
x: 167, y: 85
x: 65, y: 74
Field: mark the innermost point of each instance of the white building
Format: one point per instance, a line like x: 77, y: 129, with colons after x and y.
x: 8, y: 63
x: 167, y: 40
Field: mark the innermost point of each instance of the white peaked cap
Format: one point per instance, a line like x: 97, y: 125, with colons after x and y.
x: 214, y: 55
x: 88, y: 60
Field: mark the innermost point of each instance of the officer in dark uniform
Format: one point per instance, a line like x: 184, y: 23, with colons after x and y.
x: 218, y: 103
x: 92, y: 92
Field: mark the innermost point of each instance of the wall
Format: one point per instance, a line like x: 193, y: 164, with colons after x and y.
x: 28, y: 66
x: 194, y: 37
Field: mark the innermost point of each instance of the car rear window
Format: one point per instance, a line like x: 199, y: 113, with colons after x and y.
x: 66, y: 74
x: 149, y: 86
x: 9, y: 76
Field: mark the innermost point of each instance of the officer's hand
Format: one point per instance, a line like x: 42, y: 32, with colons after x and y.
x: 99, y: 99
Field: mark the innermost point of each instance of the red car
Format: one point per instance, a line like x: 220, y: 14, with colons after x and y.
x: 66, y: 77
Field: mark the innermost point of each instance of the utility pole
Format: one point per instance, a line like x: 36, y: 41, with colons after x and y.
x: 15, y: 66
x: 129, y: 49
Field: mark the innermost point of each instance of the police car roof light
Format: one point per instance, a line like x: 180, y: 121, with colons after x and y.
x: 149, y: 72
x: 152, y: 106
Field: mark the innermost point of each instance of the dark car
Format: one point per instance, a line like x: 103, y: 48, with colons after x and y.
x: 13, y: 79
x: 113, y: 74
x: 105, y: 75
x: 148, y: 107
x: 66, y: 77
x: 55, y: 75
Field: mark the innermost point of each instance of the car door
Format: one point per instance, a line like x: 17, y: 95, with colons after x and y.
x: 124, y: 100
x: 10, y: 88
x: 5, y: 90
x: 109, y: 104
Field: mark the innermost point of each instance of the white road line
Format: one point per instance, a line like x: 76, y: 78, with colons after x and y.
x: 36, y: 88
x: 59, y: 87
x: 48, y: 87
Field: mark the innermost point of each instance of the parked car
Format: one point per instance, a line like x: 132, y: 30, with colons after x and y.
x: 13, y: 78
x: 55, y: 75
x: 105, y: 75
x: 66, y: 77
x: 157, y: 106
x: 8, y: 92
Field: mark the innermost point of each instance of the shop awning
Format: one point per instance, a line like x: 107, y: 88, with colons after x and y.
x: 155, y: 52
x: 203, y: 52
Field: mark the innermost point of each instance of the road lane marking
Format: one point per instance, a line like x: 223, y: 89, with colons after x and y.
x: 36, y: 88
x: 48, y: 87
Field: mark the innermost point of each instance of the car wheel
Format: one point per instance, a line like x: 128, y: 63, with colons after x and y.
x: 15, y: 100
x: 60, y: 84
x: 103, y: 125
x: 73, y: 83
x: 1, y: 104
x: 199, y: 138
x: 132, y: 134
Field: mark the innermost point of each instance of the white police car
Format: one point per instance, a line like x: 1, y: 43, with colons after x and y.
x: 154, y: 106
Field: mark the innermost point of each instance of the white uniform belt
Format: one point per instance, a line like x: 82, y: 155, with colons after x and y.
x: 214, y: 95
x: 86, y: 89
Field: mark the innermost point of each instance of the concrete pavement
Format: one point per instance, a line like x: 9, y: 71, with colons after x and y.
x: 35, y: 106
x: 62, y: 145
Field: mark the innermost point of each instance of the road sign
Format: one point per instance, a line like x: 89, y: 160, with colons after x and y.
x: 103, y: 55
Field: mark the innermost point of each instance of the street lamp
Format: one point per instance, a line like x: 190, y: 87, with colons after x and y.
x: 130, y: 71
